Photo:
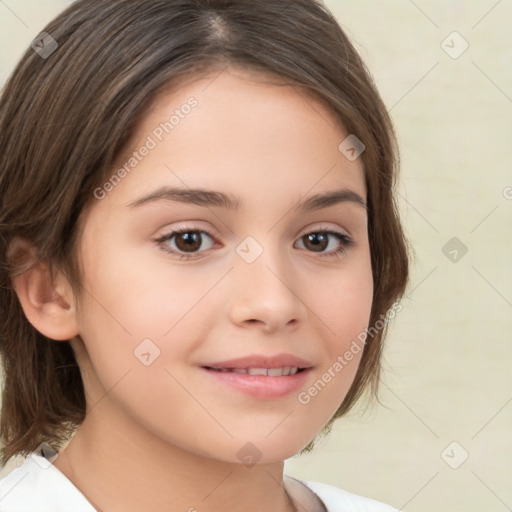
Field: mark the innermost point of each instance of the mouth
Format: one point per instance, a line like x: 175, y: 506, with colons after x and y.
x: 261, y: 377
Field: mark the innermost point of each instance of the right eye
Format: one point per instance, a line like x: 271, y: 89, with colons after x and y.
x: 185, y: 242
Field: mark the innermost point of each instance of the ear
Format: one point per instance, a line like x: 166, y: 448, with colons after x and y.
x: 48, y: 305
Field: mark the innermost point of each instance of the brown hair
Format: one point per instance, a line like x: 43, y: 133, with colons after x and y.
x: 66, y: 116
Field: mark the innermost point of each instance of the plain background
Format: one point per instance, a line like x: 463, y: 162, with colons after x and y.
x: 446, y: 391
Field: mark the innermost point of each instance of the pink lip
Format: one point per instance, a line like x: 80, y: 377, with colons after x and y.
x: 262, y: 386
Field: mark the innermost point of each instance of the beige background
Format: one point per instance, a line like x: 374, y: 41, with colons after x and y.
x: 449, y: 355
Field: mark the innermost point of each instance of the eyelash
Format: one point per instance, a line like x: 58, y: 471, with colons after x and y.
x: 345, y: 242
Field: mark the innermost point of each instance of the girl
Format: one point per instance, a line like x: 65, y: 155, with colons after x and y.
x: 200, y: 250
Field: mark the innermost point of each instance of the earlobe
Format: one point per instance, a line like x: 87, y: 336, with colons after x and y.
x: 48, y: 306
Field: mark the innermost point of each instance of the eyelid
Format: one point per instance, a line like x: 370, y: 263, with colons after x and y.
x: 184, y: 228
x: 323, y: 226
x: 191, y: 225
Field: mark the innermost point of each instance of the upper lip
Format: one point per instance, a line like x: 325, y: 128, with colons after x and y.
x: 261, y: 361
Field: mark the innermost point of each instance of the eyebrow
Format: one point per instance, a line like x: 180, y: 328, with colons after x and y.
x: 213, y: 198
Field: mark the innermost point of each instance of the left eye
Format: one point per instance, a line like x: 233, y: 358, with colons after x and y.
x: 186, y: 240
x: 319, y: 241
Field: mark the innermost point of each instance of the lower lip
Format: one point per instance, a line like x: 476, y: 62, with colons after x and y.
x: 261, y: 386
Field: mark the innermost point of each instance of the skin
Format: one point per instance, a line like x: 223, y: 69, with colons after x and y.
x: 166, y: 436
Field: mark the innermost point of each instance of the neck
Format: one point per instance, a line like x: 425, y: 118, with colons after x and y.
x: 120, y: 468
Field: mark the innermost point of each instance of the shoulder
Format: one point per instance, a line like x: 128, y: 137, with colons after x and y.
x: 336, y: 499
x: 38, y: 486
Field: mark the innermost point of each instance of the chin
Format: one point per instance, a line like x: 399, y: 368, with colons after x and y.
x: 248, y: 451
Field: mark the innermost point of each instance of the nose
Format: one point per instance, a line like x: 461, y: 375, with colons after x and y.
x: 265, y: 294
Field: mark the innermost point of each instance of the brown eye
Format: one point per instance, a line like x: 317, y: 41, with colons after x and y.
x: 317, y: 242
x: 186, y: 241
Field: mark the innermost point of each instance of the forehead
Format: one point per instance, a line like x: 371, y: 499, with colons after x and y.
x: 237, y: 130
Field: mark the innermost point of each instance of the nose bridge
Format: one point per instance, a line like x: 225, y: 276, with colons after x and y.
x: 264, y: 283
x: 262, y: 260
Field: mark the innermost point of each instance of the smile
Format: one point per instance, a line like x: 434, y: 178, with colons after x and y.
x: 264, y: 377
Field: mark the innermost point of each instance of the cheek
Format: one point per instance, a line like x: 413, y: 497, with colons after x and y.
x: 343, y: 301
x: 343, y: 306
x: 142, y: 318
x: 136, y: 330
x: 146, y: 297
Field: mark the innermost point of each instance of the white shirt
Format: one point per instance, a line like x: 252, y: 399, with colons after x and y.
x: 38, y: 486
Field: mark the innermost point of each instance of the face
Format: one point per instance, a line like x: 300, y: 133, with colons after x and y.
x: 214, y: 319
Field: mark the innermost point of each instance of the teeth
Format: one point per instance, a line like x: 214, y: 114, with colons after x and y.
x: 270, y: 372
x: 257, y: 371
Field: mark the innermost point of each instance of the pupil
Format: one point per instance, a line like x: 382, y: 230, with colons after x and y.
x: 318, y: 240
